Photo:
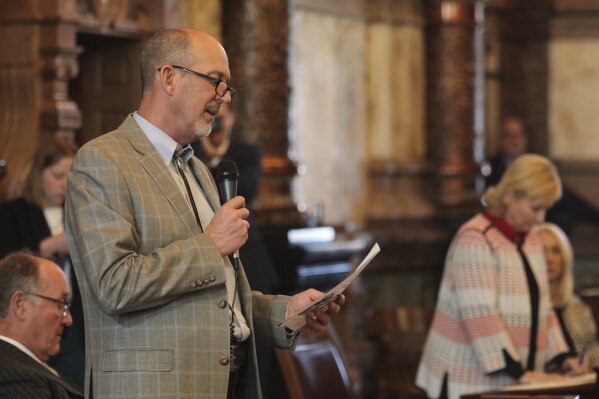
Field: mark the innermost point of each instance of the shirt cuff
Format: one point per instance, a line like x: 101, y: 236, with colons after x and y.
x: 291, y: 338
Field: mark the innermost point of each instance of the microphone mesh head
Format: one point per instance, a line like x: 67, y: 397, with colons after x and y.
x: 227, y: 170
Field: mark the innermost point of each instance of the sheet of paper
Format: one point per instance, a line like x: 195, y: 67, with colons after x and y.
x: 298, y: 321
x: 583, y: 379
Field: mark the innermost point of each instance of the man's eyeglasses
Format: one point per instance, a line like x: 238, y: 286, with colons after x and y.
x: 64, y: 306
x: 220, y: 86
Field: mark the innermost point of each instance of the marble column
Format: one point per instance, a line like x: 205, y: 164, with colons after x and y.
x: 396, y: 103
x: 450, y: 104
x: 523, y: 31
x: 255, y: 34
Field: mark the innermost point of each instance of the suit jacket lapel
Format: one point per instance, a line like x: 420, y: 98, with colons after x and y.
x: 21, y: 357
x: 67, y: 385
x: 204, y: 178
x: 151, y: 161
x: 207, y: 184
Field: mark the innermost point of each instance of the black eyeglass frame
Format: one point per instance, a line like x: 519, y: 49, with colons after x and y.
x: 215, y: 81
x: 66, y: 307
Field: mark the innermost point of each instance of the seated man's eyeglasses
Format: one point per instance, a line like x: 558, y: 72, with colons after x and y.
x: 220, y: 86
x: 64, y: 306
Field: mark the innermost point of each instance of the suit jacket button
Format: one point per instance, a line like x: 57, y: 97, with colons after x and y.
x: 199, y: 282
x: 222, y: 304
x: 224, y: 360
x: 193, y: 284
x: 212, y: 279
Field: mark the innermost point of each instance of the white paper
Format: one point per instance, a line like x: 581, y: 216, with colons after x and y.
x: 298, y: 321
x: 583, y: 379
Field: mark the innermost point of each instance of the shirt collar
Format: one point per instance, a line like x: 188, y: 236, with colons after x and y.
x: 504, y: 227
x: 163, y: 143
x: 184, y: 152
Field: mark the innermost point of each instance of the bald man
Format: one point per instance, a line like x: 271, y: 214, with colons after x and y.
x: 168, y: 312
x: 33, y: 314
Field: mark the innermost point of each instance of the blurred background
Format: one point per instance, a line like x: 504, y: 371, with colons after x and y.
x: 376, y: 119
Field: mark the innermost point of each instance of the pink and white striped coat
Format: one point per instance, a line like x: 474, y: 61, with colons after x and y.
x: 483, y: 307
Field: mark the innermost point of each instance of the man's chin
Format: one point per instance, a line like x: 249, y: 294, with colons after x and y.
x: 55, y: 350
x: 202, y: 130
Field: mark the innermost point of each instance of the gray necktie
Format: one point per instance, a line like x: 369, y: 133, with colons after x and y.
x: 180, y: 168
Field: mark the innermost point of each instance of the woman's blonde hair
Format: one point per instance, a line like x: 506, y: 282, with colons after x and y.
x: 566, y: 282
x: 529, y: 175
x: 48, y: 153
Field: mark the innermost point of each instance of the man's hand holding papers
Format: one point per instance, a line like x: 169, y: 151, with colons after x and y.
x: 310, y: 310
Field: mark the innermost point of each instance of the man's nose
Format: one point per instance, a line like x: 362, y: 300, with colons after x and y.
x: 68, y: 319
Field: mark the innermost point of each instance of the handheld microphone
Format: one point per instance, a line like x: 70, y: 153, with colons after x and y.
x: 227, y: 176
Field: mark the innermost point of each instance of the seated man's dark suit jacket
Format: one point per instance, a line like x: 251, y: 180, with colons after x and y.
x: 23, y: 225
x: 21, y: 377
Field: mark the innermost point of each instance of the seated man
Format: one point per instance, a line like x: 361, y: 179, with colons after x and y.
x: 33, y: 313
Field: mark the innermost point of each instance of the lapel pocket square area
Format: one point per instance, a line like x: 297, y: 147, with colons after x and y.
x: 138, y: 360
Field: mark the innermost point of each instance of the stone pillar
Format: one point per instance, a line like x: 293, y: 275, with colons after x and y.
x: 450, y: 105
x: 255, y: 34
x: 36, y: 62
x: 523, y: 30
x: 396, y: 103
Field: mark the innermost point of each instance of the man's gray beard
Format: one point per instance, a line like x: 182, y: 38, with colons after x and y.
x: 202, y: 129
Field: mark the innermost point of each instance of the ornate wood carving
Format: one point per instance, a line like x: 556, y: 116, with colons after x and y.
x: 120, y: 15
x: 34, y: 81
x: 39, y: 60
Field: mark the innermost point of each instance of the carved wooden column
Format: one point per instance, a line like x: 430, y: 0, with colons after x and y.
x: 59, y: 63
x: 523, y: 30
x: 36, y: 62
x: 450, y: 104
x: 255, y: 35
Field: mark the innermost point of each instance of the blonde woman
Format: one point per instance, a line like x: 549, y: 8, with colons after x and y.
x: 36, y: 220
x: 575, y: 317
x: 494, y: 324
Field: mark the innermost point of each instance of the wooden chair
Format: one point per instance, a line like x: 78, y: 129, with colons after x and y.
x: 399, y: 335
x: 315, y: 369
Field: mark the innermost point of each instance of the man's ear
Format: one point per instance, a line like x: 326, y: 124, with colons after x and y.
x: 18, y: 304
x: 167, y: 79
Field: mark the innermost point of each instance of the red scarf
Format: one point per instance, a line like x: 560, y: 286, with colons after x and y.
x: 504, y: 227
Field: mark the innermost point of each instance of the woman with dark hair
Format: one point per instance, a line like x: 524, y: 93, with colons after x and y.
x: 35, y: 221
x: 494, y: 324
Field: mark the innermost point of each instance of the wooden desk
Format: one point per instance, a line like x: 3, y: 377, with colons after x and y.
x: 494, y: 396
x: 586, y: 391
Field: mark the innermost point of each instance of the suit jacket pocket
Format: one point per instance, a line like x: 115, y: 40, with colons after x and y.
x: 138, y: 360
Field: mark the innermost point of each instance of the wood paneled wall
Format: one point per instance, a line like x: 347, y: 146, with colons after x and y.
x: 41, y: 43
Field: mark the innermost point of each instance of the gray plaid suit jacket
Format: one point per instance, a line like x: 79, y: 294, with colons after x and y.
x: 151, y: 330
